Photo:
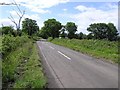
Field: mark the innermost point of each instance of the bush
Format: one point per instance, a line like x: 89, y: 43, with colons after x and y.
x: 50, y: 39
x: 10, y: 43
x: 36, y: 38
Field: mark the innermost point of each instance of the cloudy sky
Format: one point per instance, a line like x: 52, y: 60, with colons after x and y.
x: 82, y: 13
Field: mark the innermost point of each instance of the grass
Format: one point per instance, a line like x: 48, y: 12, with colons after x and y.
x: 0, y: 42
x: 0, y: 60
x: 22, y: 68
x: 33, y: 76
x: 98, y: 48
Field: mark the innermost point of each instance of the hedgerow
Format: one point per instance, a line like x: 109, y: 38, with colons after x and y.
x: 10, y: 43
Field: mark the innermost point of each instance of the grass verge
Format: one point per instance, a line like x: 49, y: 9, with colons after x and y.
x: 97, y: 48
x: 22, y: 68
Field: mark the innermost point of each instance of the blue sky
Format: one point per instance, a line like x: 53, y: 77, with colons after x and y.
x: 82, y: 13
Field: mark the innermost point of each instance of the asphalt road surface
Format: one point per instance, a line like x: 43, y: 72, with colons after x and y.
x: 66, y: 68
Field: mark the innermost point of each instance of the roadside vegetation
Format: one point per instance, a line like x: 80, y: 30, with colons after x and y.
x: 97, y: 48
x: 21, y: 64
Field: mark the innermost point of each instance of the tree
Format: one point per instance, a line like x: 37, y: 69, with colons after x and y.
x: 102, y: 31
x: 90, y: 36
x: 44, y: 33
x: 84, y: 36
x: 7, y: 30
x: 99, y: 30
x: 80, y: 35
x: 52, y: 27
x: 112, y: 32
x: 30, y: 26
x: 71, y: 28
x: 20, y: 15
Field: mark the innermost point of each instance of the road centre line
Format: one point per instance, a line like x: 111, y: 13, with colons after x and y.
x: 64, y: 55
x: 51, y: 67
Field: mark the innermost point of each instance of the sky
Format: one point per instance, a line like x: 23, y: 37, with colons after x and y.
x: 82, y: 13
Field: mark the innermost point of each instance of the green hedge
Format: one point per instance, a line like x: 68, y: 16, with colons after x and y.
x: 10, y: 43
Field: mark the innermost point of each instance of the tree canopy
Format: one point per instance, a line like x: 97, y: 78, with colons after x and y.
x: 71, y: 28
x: 44, y: 33
x: 102, y: 31
x: 112, y: 32
x: 30, y: 26
x: 7, y: 29
x: 52, y: 27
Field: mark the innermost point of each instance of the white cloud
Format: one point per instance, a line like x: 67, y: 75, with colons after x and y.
x: 89, y: 15
x: 112, y: 6
x: 37, y: 5
x: 84, y: 8
x: 14, y: 13
x: 64, y: 9
x: 35, y: 17
x: 8, y: 22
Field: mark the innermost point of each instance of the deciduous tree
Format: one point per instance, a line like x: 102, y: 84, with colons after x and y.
x: 30, y: 26
x: 52, y: 27
x: 71, y: 28
x: 103, y: 31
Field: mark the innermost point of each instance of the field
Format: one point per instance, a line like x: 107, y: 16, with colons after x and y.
x: 97, y: 48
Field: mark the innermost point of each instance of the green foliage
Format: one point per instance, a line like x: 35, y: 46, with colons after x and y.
x: 15, y: 33
x: 33, y: 76
x: 97, y: 48
x: 112, y: 32
x: 7, y: 30
x: 30, y: 26
x: 102, y: 31
x: 10, y: 43
x: 21, y: 67
x: 50, y: 39
x: 44, y: 33
x: 9, y: 65
x: 36, y: 38
x: 90, y: 36
x: 0, y: 44
x: 51, y: 28
x: 71, y: 28
x: 80, y: 35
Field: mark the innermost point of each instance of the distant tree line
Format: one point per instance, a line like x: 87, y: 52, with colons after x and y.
x: 53, y: 28
x: 29, y: 27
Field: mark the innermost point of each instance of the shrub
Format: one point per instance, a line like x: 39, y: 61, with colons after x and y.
x: 10, y: 43
x: 50, y: 39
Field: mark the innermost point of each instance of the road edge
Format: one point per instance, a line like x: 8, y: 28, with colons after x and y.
x: 52, y: 79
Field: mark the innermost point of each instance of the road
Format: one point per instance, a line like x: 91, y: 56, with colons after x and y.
x: 66, y: 68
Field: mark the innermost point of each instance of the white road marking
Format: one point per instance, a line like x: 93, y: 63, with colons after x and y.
x: 51, y: 67
x: 51, y: 47
x: 64, y: 55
